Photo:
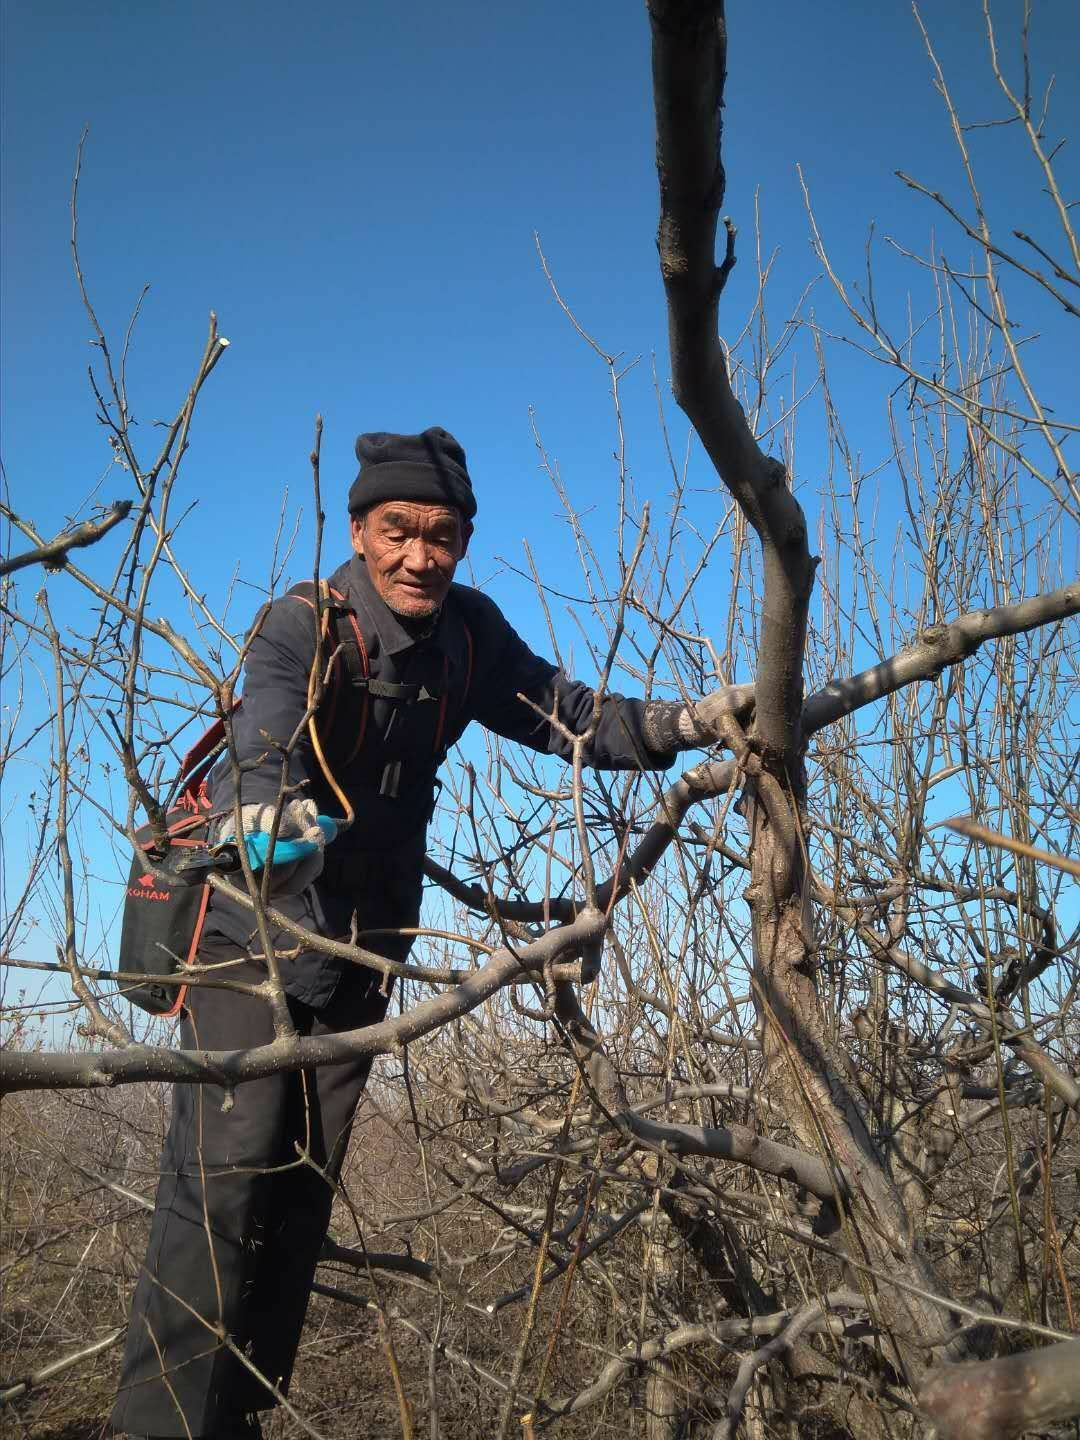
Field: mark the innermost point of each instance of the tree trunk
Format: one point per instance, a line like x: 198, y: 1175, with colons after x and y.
x: 689, y: 71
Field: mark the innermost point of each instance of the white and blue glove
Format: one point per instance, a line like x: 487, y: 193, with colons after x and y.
x: 302, y: 837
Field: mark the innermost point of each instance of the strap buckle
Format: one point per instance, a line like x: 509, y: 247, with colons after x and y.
x: 390, y: 690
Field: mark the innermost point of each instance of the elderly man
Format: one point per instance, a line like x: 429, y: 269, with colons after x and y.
x: 240, y: 1217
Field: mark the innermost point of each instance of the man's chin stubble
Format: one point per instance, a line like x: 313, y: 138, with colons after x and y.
x: 429, y: 610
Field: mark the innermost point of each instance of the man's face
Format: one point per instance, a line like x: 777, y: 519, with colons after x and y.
x: 411, y: 551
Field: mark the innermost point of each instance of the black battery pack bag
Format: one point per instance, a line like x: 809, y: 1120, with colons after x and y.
x: 164, y: 908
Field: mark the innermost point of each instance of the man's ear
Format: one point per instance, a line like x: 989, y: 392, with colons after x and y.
x: 466, y: 536
x: 356, y: 534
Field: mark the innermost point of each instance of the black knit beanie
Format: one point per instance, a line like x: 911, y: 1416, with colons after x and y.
x: 429, y: 467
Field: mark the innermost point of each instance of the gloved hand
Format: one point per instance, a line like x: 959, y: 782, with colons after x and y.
x: 302, y: 837
x: 699, y: 722
x: 670, y: 727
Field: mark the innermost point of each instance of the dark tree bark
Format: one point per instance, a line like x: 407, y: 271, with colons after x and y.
x: 689, y: 58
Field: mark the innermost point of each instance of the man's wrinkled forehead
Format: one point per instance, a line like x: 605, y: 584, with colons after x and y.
x: 413, y: 512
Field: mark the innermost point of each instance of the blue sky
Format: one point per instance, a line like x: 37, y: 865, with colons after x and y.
x: 355, y: 188
x: 355, y: 192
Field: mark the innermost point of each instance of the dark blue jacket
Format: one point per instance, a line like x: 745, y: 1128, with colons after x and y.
x: 471, y: 666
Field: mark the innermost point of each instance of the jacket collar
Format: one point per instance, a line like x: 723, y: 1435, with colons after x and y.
x: 391, y: 634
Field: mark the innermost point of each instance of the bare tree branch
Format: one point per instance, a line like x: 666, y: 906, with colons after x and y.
x: 936, y: 648
x: 999, y: 1399
x: 53, y: 554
